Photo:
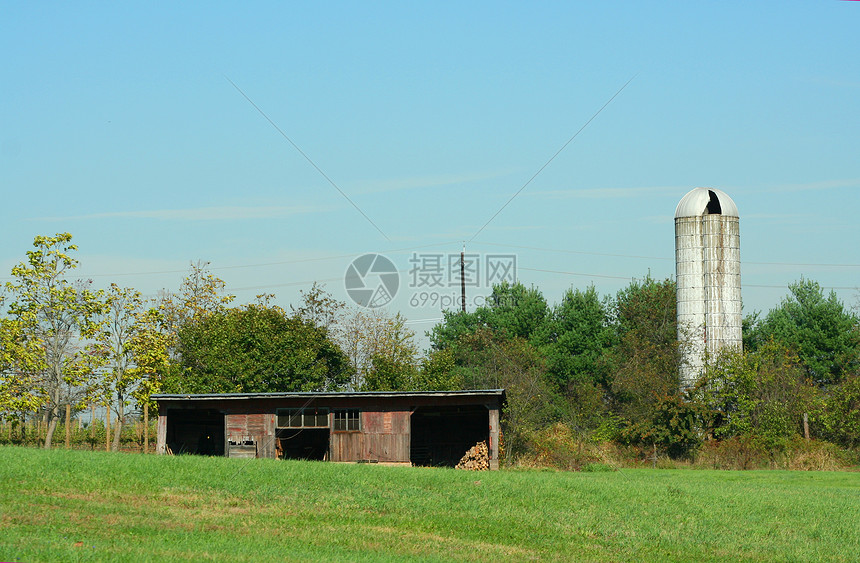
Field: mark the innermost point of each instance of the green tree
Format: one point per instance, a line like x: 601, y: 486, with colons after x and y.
x: 574, y: 339
x: 150, y: 347
x: 512, y: 310
x: 374, y: 340
x: 62, y: 317
x: 761, y: 395
x: 838, y: 419
x: 642, y: 366
x: 121, y: 323
x: 486, y: 359
x: 254, y: 349
x: 823, y: 333
x: 21, y: 358
x: 435, y: 372
x: 438, y: 372
x: 200, y: 295
x: 454, y: 325
x: 674, y: 426
x: 320, y: 308
x: 387, y: 373
x: 515, y: 310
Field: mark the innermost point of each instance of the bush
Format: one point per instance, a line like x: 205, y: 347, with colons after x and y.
x: 797, y: 453
x: 838, y: 419
x: 674, y: 428
x: 558, y: 447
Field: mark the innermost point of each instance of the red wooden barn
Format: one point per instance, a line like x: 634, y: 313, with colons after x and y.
x: 420, y: 428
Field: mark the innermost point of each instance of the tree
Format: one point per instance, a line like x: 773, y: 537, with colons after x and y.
x: 643, y: 364
x: 823, y: 333
x: 512, y: 310
x: 435, y: 372
x: 374, y: 338
x: 454, y: 325
x: 20, y: 359
x: 438, y: 372
x: 516, y: 310
x: 150, y: 347
x: 62, y: 318
x: 256, y: 349
x: 838, y: 419
x: 389, y: 374
x: 486, y: 359
x: 761, y: 395
x: 320, y: 308
x: 122, y: 322
x: 200, y: 295
x: 674, y: 426
x: 574, y: 339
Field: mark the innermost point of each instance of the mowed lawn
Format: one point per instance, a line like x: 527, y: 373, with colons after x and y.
x: 89, y: 506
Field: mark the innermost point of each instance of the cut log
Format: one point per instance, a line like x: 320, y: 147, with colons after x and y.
x: 477, y: 458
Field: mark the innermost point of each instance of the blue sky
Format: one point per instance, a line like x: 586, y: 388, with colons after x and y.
x: 119, y: 124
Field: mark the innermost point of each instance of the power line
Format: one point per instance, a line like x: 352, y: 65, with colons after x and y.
x: 573, y: 251
x: 312, y: 163
x: 264, y: 264
x: 547, y: 163
x: 582, y: 274
x: 561, y: 251
x: 575, y: 273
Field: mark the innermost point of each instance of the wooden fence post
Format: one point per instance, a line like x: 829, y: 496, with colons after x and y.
x: 145, y: 428
x: 68, y: 425
x: 107, y: 428
x: 93, y: 426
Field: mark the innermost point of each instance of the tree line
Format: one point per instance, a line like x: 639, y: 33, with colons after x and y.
x: 590, y: 369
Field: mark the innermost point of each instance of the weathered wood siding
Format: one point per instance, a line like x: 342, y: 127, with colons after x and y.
x: 494, y: 437
x: 161, y: 436
x: 384, y: 436
x: 259, y: 427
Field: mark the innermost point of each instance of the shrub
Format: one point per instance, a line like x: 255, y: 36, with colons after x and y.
x: 558, y: 447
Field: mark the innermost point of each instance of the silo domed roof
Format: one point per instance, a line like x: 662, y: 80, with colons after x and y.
x: 706, y: 201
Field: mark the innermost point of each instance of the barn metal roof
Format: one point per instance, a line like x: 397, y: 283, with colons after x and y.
x: 329, y: 394
x: 695, y: 203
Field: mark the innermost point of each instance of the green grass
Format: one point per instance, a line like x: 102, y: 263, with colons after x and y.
x: 95, y: 506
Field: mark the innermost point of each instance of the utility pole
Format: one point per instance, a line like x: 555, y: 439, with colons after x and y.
x: 463, y: 277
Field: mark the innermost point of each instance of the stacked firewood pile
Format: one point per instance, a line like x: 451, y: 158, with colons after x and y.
x: 476, y: 459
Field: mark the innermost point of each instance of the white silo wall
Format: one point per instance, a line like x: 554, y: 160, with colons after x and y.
x: 690, y: 280
x: 707, y: 272
x: 722, y: 277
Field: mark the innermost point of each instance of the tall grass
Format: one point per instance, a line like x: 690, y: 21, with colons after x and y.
x: 95, y: 506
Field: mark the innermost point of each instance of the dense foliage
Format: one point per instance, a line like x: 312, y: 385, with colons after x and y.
x: 607, y: 369
x: 590, y: 370
x: 257, y: 349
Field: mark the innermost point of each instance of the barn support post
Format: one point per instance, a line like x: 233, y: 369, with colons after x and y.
x: 494, y: 437
x: 268, y: 439
x: 161, y: 438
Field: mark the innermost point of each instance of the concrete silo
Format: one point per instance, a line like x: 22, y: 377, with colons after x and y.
x: 708, y: 274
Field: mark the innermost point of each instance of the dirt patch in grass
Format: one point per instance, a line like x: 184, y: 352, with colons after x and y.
x: 458, y: 544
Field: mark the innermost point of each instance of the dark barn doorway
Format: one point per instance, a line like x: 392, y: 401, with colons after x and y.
x: 440, y: 436
x: 195, y: 431
x: 303, y: 443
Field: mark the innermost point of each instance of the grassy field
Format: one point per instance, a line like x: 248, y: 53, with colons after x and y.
x: 94, y: 506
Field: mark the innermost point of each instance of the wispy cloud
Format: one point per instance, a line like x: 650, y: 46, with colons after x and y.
x: 420, y: 182
x: 816, y: 186
x: 222, y: 213
x: 788, y: 217
x: 610, y: 193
